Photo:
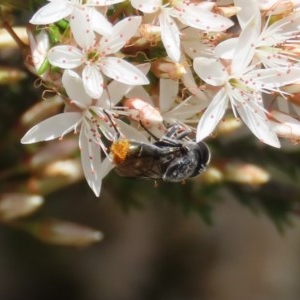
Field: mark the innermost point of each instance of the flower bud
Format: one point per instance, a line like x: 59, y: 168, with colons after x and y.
x: 14, y: 205
x: 149, y: 37
x: 274, y: 8
x: 212, y: 175
x: 150, y: 32
x: 53, y: 151
x: 168, y: 69
x: 228, y: 11
x: 285, y: 126
x: 245, y: 173
x: 37, y: 61
x: 55, y: 176
x: 228, y: 125
x: 41, y: 111
x: 70, y: 168
x: 144, y: 112
x: 63, y: 233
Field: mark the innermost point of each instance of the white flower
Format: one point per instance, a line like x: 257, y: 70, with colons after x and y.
x: 98, y: 59
x: 84, y: 19
x: 242, y: 86
x: 90, y: 118
x: 196, y: 15
x: 273, y: 45
x: 82, y: 117
x: 274, y: 42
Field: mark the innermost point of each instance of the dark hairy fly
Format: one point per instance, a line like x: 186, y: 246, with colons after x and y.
x: 171, y: 158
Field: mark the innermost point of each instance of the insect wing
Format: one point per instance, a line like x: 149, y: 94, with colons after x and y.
x: 142, y: 161
x: 139, y: 167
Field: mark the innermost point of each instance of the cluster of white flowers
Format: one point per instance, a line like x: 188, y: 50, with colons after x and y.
x: 205, y: 58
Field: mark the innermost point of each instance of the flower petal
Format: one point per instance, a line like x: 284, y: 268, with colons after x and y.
x: 130, y: 132
x: 226, y: 49
x: 100, y: 24
x: 210, y: 70
x: 121, y: 33
x: 122, y: 71
x: 92, y: 81
x: 139, y: 92
x: 52, y: 128
x: 75, y: 90
x: 91, y: 162
x: 280, y: 31
x: 103, y: 2
x: 80, y: 23
x: 51, y: 12
x: 186, y: 109
x: 65, y: 57
x: 167, y: 94
x: 193, y: 45
x: 106, y: 166
x: 190, y: 83
x: 212, y: 115
x: 197, y: 16
x: 170, y: 35
x: 248, y: 10
x: 149, y: 6
x: 272, y: 78
x: 116, y: 90
x: 245, y: 47
x: 258, y: 123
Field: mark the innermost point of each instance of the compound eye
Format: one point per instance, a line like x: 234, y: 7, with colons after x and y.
x: 204, y: 153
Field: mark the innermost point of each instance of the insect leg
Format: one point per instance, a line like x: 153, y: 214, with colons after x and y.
x: 171, y: 138
x: 149, y: 132
x: 118, y: 133
x: 171, y: 131
x: 183, y: 134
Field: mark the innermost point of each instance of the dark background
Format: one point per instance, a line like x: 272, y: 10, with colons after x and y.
x: 155, y: 252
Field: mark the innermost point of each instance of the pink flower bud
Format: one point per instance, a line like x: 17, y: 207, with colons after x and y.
x: 144, y: 112
x: 166, y: 68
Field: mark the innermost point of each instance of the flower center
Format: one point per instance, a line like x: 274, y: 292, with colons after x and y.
x: 93, y: 56
x: 239, y: 84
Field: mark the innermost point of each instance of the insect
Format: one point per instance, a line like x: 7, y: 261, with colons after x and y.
x: 170, y: 158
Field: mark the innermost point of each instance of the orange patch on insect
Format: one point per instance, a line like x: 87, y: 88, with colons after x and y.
x: 119, y: 150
